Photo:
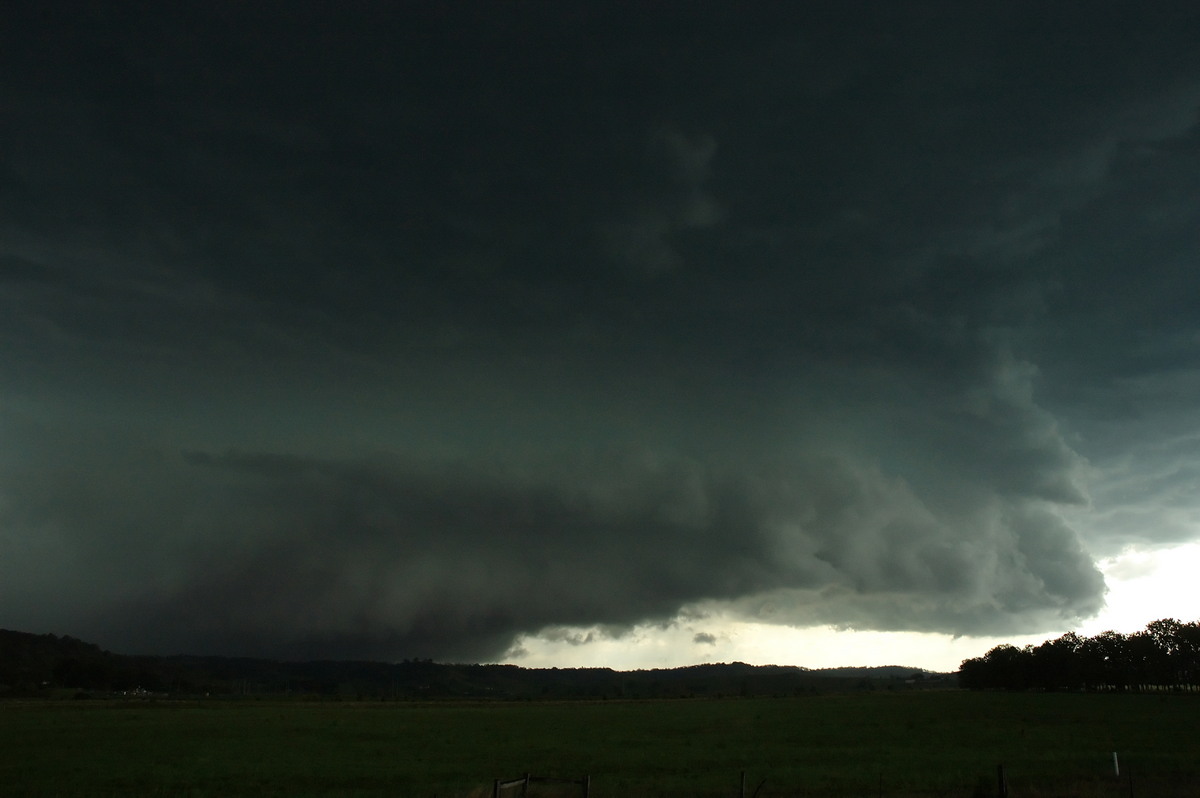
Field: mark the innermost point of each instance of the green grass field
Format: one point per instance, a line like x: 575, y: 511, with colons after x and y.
x: 904, y: 744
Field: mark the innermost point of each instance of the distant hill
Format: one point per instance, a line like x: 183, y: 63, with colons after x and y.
x: 878, y: 672
x: 48, y: 665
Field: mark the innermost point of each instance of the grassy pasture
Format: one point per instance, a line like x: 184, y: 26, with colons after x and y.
x: 866, y: 744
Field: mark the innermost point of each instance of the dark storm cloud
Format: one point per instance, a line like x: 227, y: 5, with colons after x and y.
x: 290, y: 556
x: 1124, y: 338
x: 641, y: 237
x: 484, y: 321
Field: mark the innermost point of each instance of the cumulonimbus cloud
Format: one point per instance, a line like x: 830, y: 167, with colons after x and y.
x: 292, y: 556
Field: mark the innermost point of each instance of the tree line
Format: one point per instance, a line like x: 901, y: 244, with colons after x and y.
x: 1163, y: 656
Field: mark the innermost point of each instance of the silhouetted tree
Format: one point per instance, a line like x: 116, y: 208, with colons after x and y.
x: 1056, y: 664
x: 1165, y: 655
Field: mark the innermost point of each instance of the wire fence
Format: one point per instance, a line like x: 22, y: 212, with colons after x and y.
x: 501, y: 787
x: 1117, y: 784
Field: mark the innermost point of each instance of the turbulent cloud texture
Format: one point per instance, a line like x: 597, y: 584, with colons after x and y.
x: 289, y: 556
x: 413, y: 332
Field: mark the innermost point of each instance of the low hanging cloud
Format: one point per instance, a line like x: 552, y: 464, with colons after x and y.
x: 307, y: 557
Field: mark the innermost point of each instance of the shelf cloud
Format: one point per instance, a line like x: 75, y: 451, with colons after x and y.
x: 418, y: 333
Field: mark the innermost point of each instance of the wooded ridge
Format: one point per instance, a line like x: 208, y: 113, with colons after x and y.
x: 49, y: 665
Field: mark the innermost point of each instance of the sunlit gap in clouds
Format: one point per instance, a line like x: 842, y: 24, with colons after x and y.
x: 1143, y: 586
x: 725, y: 639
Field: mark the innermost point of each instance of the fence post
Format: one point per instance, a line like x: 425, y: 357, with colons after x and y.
x: 1003, y: 783
x: 742, y: 790
x: 587, y: 786
x: 496, y: 788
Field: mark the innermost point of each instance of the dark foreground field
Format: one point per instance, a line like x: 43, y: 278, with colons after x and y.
x: 905, y: 744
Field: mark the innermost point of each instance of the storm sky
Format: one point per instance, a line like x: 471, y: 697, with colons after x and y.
x: 448, y: 330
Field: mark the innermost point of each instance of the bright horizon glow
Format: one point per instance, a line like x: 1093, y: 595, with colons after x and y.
x: 1143, y: 587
